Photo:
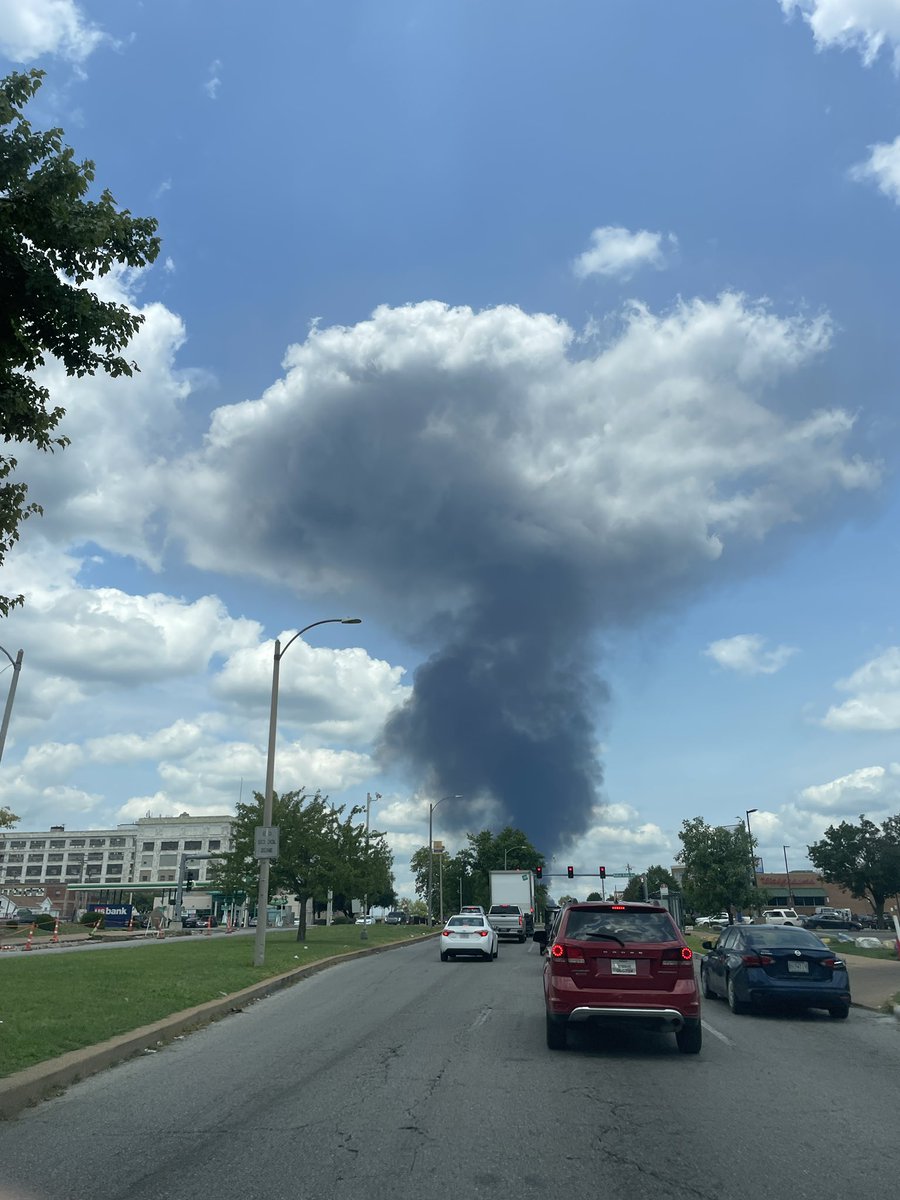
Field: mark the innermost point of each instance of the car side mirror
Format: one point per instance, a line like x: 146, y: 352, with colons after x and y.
x: 709, y: 945
x: 540, y: 936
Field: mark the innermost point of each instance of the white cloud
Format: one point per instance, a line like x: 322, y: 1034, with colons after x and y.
x: 213, y: 81
x: 863, y: 25
x: 746, y: 654
x: 620, y: 252
x: 32, y: 28
x: 875, y: 704
x: 882, y: 168
x: 864, y: 790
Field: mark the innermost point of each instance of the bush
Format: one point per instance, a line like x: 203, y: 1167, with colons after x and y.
x: 45, y: 921
x: 92, y: 918
x: 341, y: 920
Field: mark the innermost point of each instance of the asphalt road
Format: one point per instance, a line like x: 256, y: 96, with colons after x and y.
x: 396, y: 1076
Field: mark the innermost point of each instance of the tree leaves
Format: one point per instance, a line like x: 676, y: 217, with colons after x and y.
x: 863, y: 858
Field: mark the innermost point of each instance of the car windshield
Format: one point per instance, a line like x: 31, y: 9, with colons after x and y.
x: 633, y: 926
x: 478, y: 922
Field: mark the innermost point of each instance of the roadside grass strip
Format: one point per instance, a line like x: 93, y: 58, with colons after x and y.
x: 50, y: 1005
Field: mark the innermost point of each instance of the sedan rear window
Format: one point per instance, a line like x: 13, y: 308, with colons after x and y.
x: 780, y: 935
x: 477, y: 922
x: 587, y: 925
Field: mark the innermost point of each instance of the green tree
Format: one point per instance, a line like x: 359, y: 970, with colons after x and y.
x: 593, y: 896
x: 53, y: 242
x: 717, y: 867
x: 319, y: 848
x: 472, y: 865
x: 7, y: 818
x: 657, y: 877
x: 863, y: 858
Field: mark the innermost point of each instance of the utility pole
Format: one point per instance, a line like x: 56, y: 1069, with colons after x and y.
x: 10, y: 695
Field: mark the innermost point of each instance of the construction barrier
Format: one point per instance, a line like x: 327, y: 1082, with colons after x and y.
x: 29, y: 939
x: 54, y: 941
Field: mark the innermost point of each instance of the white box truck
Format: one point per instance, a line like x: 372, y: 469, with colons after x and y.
x: 515, y: 887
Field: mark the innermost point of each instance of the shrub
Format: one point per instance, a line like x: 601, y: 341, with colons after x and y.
x: 340, y: 920
x: 92, y: 918
x: 45, y: 921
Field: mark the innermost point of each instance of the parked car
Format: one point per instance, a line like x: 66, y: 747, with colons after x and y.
x: 708, y: 922
x: 396, y: 917
x: 207, y: 923
x: 620, y: 963
x: 467, y: 934
x: 365, y: 920
x: 473, y: 908
x: 771, y: 964
x: 782, y: 916
x: 835, y: 920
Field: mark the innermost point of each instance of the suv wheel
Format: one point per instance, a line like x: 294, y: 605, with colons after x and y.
x: 736, y: 1006
x: 556, y: 1032
x: 690, y: 1037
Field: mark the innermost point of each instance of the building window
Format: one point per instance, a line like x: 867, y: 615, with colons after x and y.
x: 117, y: 841
x: 54, y: 871
x: 168, y: 860
x: 97, y: 842
x: 57, y: 843
x: 54, y: 858
x: 95, y: 856
x: 17, y: 845
x: 36, y: 858
x: 37, y: 845
x: 214, y: 843
x: 16, y: 858
x: 147, y: 862
x: 168, y: 845
x: 13, y: 872
x: 74, y: 869
x: 144, y: 877
x: 193, y: 845
x: 116, y: 855
x: 147, y: 846
x: 32, y: 872
x: 2, y: 845
x: 76, y: 842
x: 76, y: 858
x: 93, y: 872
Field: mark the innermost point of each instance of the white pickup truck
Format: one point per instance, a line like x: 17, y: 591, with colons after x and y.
x: 508, y: 920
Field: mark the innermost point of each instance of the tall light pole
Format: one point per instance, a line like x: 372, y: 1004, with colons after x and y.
x: 431, y: 808
x: 10, y: 695
x: 522, y: 846
x: 787, y: 871
x: 752, y: 855
x: 262, y: 900
x: 364, y: 934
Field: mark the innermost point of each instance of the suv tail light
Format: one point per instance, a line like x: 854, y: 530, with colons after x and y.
x: 677, y: 957
x: 566, y: 954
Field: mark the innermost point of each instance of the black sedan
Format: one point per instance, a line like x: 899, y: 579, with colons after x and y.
x: 832, y: 921
x: 753, y: 965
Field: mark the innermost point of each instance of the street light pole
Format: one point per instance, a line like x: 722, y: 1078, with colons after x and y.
x: 752, y: 855
x: 507, y: 850
x: 10, y: 695
x: 262, y: 899
x: 787, y: 871
x: 364, y: 935
x: 431, y: 808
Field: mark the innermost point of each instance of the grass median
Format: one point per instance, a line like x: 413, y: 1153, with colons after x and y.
x: 50, y: 1005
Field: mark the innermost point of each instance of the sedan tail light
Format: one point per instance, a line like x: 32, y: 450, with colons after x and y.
x: 482, y: 933
x: 445, y: 933
x: 757, y: 960
x: 834, y: 964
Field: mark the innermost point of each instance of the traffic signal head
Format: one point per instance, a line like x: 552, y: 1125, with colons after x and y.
x: 189, y: 882
x: 539, y: 871
x: 603, y: 872
x: 570, y: 871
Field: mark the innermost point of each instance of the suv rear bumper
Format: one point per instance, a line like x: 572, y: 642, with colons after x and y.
x: 662, y: 1018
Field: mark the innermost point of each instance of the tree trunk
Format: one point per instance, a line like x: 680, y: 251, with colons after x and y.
x: 301, y: 919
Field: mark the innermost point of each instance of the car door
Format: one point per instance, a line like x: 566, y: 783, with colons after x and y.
x: 715, y: 961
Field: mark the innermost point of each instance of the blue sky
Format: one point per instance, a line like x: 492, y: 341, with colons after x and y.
x: 556, y: 342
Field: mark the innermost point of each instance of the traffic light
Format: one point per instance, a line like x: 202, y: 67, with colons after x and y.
x: 189, y: 884
x: 603, y: 872
x: 570, y: 871
x: 539, y: 871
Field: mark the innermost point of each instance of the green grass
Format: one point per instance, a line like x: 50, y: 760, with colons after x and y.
x: 50, y: 1005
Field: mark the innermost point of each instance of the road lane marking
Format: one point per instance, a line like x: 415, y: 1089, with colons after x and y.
x: 482, y: 1017
x: 715, y: 1033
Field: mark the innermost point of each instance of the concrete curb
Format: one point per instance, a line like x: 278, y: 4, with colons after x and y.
x: 37, y: 1083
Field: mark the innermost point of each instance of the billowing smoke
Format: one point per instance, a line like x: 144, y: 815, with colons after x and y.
x: 506, y: 494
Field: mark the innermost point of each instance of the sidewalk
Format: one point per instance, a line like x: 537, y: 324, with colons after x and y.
x: 872, y: 980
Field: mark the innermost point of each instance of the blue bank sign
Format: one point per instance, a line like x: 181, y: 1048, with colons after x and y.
x: 116, y: 916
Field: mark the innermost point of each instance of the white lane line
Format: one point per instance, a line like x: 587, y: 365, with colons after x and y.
x: 481, y: 1018
x: 715, y: 1033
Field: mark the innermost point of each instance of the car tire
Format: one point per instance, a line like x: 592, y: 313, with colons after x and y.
x: 444, y: 957
x: 556, y: 1032
x: 690, y: 1037
x: 840, y: 1012
x: 736, y: 1006
x: 521, y: 940
x: 496, y: 950
x: 708, y: 993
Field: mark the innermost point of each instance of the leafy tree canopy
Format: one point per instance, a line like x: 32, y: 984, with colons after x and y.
x: 656, y: 877
x: 717, y: 866
x: 319, y: 849
x: 7, y: 818
x: 863, y: 858
x: 53, y: 242
x: 466, y: 874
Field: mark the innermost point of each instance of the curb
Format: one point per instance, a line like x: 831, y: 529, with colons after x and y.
x: 28, y: 1087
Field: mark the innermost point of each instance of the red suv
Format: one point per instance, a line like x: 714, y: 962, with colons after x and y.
x: 622, y: 963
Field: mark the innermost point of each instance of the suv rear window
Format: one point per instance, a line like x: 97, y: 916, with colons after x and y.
x: 630, y: 926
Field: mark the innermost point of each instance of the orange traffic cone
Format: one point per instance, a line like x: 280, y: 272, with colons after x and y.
x: 28, y: 940
x: 55, y: 939
x: 162, y: 929
x: 209, y: 926
x: 229, y: 928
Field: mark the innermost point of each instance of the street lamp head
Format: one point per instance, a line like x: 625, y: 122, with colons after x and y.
x: 750, y: 810
x: 351, y: 620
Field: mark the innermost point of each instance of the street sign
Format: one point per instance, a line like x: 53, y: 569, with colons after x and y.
x: 265, y: 841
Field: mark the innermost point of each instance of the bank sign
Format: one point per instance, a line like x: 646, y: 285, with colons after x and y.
x: 116, y: 916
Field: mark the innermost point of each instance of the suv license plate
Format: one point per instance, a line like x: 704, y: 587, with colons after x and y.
x: 623, y: 967
x: 798, y: 968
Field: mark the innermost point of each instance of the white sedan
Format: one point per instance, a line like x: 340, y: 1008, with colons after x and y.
x: 469, y: 933
x: 365, y: 920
